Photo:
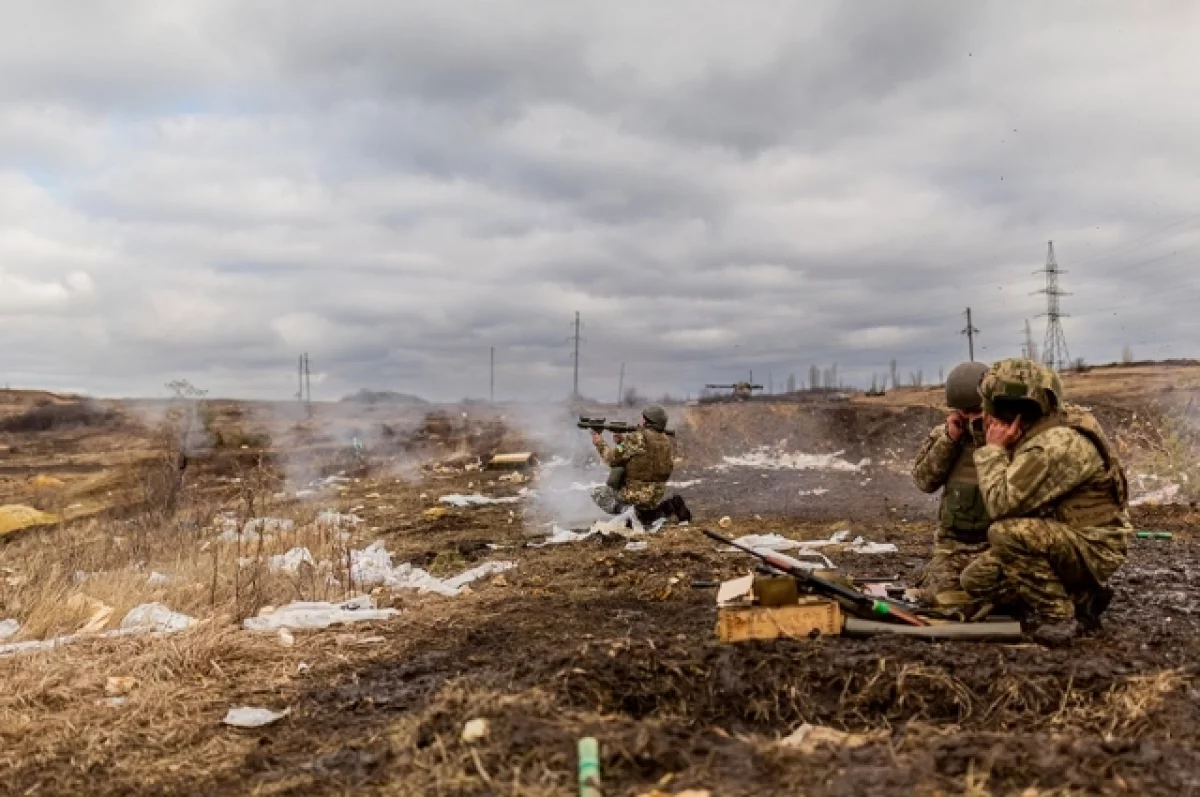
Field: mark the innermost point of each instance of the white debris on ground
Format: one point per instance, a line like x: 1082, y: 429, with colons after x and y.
x: 291, y: 561
x: 331, y: 518
x: 311, y: 615
x: 246, y: 717
x: 561, y: 536
x: 808, y: 738
x: 636, y: 546
x: 816, y: 491
x: 1163, y: 495
x: 156, y: 617
x: 462, y: 501
x: 158, y: 579
x: 776, y: 458
x: 779, y: 543
x: 147, y: 618
x: 372, y: 566
x: 684, y: 485
x: 252, y: 529
x: 9, y: 629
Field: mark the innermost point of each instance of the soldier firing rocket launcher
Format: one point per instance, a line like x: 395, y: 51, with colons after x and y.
x: 617, y: 427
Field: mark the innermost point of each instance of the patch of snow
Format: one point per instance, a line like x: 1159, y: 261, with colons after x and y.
x: 9, y: 628
x: 774, y: 458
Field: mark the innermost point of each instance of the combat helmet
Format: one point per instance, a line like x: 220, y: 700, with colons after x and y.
x: 962, y: 386
x: 655, y: 417
x: 1021, y: 379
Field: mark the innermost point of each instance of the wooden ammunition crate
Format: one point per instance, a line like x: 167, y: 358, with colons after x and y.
x: 802, y: 620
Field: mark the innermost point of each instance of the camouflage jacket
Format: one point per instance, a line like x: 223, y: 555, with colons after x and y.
x: 1042, y: 471
x: 935, y: 460
x: 643, y: 494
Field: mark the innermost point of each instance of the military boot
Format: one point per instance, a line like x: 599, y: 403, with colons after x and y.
x: 1088, y: 611
x: 1053, y: 634
x: 681, y: 511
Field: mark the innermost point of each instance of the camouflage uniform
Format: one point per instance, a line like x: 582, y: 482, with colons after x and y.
x: 648, y: 460
x: 1059, y: 500
x: 948, y: 465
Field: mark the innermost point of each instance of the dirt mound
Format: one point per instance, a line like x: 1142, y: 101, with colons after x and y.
x: 50, y: 417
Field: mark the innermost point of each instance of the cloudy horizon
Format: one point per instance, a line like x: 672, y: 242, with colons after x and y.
x: 205, y: 189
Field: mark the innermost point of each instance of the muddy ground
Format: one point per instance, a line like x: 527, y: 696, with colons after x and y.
x: 590, y: 639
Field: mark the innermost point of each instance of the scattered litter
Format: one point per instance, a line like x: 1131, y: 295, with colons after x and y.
x: 305, y: 493
x: 476, y: 499
x: 624, y: 524
x: 155, y: 617
x: 435, y: 513
x: 267, y: 525
x: 808, y: 738
x: 253, y: 717
x: 775, y: 458
x: 291, y: 561
x: 725, y: 522
x: 861, y: 546
x: 684, y: 485
x: 475, y: 730
x: 1163, y: 495
x: 513, y: 478
x: 303, y: 667
x: 99, y: 612
x: 158, y: 579
x: 373, y: 566
x: 9, y: 628
x: 561, y: 536
x: 117, y: 686
x: 330, y: 518
x: 113, y: 702
x: 285, y: 638
x: 302, y: 615
x: 816, y: 491
x: 637, y: 546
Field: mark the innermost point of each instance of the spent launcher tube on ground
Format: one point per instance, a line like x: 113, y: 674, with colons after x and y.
x: 618, y: 427
x: 885, y: 610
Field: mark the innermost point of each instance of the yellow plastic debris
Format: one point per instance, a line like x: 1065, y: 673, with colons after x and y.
x: 436, y: 513
x: 44, y: 482
x: 15, y: 517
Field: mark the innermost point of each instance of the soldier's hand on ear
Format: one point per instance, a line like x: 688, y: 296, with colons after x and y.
x: 618, y: 438
x: 597, y: 438
x: 956, y: 425
x: 1002, y: 434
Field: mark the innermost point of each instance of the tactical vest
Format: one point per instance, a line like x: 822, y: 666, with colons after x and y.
x: 1103, y: 499
x: 656, y: 464
x: 963, y: 512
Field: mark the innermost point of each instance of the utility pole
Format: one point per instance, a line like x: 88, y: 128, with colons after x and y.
x: 575, y: 388
x: 492, y: 378
x: 621, y: 386
x: 300, y: 379
x: 1054, y: 350
x: 308, y: 379
x: 970, y: 332
x: 1029, y: 348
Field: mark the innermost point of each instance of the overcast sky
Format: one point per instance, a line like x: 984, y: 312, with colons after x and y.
x: 205, y: 189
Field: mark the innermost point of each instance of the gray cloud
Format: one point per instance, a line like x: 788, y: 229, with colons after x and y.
x: 206, y: 189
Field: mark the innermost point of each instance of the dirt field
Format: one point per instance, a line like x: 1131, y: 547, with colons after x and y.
x: 579, y: 639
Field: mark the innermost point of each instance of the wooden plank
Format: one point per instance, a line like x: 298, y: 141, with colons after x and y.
x: 799, y: 621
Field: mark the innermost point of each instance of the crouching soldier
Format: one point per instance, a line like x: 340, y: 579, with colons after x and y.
x: 947, y: 463
x: 1058, y: 498
x: 641, y: 463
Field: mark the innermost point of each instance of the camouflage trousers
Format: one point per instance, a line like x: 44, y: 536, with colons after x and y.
x: 941, y: 584
x: 1044, y: 565
x: 608, y: 499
